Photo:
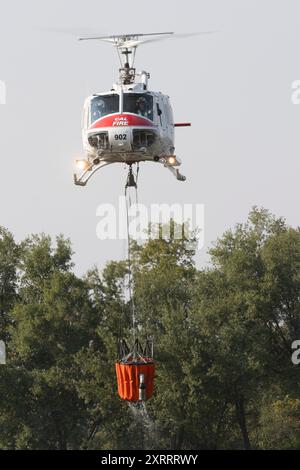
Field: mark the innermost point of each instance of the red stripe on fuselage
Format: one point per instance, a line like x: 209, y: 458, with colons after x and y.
x: 122, y: 120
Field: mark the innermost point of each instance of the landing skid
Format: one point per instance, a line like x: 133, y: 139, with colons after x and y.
x: 172, y: 169
x: 89, y: 172
x: 92, y: 168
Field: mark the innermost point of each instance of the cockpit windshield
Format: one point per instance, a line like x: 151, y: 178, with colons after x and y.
x: 103, y: 105
x: 138, y: 103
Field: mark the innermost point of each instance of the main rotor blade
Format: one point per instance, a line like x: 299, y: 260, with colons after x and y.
x: 178, y: 36
x: 125, y: 41
x: 117, y: 37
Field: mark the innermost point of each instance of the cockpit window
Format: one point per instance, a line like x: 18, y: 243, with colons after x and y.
x: 103, y: 105
x: 138, y: 103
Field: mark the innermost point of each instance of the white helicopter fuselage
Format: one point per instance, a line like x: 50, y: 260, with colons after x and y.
x: 128, y: 124
x: 120, y: 132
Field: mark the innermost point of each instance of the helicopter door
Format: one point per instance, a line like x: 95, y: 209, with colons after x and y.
x: 169, y: 117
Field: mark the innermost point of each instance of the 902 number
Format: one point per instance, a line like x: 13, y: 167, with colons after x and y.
x: 120, y: 136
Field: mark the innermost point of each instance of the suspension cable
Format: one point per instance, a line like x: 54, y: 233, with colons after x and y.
x: 136, y: 187
x: 129, y: 260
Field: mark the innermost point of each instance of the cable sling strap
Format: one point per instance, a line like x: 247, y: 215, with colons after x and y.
x: 135, y: 367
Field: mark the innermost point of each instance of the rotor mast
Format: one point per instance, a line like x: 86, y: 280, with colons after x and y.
x: 127, y: 72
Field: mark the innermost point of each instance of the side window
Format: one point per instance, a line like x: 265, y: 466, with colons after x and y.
x: 159, y: 112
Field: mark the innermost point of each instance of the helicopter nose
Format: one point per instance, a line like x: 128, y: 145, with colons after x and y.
x: 121, y: 140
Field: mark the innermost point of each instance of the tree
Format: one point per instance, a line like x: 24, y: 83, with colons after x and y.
x: 279, y: 424
x: 237, y: 301
x: 9, y: 259
x: 52, y: 320
x: 222, y: 342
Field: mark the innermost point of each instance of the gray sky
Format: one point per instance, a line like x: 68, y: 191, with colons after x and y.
x: 234, y: 86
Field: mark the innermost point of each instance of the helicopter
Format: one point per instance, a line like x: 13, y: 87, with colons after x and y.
x: 129, y: 123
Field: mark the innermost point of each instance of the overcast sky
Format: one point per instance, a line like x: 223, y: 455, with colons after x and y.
x: 234, y: 86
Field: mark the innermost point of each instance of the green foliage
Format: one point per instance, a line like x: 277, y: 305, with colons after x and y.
x: 222, y: 336
x: 9, y: 259
x: 280, y: 424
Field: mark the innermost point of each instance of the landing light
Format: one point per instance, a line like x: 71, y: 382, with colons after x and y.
x: 172, y: 161
x: 82, y: 164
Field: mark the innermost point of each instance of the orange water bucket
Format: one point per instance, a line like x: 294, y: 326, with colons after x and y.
x: 135, y: 380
